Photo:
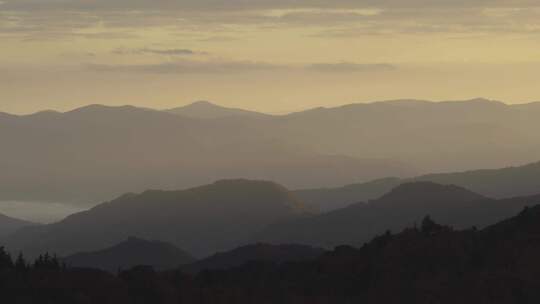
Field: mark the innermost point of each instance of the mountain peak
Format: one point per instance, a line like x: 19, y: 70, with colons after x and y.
x: 97, y: 108
x: 203, y: 103
x: 483, y: 100
x: 207, y: 110
x: 428, y: 192
x: 479, y: 101
x: 257, y: 188
x: 226, y: 212
x: 132, y: 252
x: 9, y: 224
x: 134, y: 240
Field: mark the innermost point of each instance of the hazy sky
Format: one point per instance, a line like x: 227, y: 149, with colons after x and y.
x: 268, y: 55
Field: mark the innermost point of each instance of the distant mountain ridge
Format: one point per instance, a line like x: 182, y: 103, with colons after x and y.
x: 495, y: 183
x: 431, y: 136
x: 130, y: 253
x: 9, y: 225
x: 208, y: 110
x: 328, y: 199
x: 130, y: 149
x: 402, y: 207
x: 426, y: 192
x: 96, y: 152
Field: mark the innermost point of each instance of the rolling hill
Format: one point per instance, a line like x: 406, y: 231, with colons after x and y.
x: 208, y: 110
x: 495, y: 183
x: 328, y: 199
x: 201, y: 220
x: 404, y: 206
x: 130, y: 253
x: 9, y: 225
x: 255, y: 253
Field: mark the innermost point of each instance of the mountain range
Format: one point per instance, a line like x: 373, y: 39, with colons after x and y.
x: 9, y: 225
x: 431, y: 137
x: 202, y: 220
x: 208, y: 110
x: 232, y: 213
x: 431, y: 263
x: 402, y: 207
x: 428, y: 263
x: 495, y: 183
x: 97, y: 152
x: 159, y: 255
x: 470, y: 134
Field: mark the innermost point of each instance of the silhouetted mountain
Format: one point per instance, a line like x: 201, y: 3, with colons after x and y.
x: 201, y: 220
x: 521, y: 228
x: 327, y: 199
x: 97, y: 152
x: 130, y: 253
x: 8, y: 225
x: 255, y: 253
x: 208, y: 110
x: 427, y: 194
x: 431, y: 263
x: 402, y: 207
x: 496, y: 183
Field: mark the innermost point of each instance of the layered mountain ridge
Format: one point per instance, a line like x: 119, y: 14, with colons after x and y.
x: 200, y: 220
x: 402, y: 207
x: 496, y: 183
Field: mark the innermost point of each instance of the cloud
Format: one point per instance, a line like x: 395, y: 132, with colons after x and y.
x: 45, y: 19
x: 348, y: 67
x: 188, y: 67
x: 174, y: 52
x: 220, y: 5
x: 167, y: 52
x: 219, y: 67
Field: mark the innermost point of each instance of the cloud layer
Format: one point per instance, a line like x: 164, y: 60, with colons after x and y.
x: 187, y: 67
x: 220, y: 67
x: 343, y: 17
x: 267, y: 50
x: 216, y: 5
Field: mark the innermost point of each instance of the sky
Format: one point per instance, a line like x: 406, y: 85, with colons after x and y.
x: 267, y: 55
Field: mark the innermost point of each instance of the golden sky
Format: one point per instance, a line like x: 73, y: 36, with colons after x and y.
x: 267, y: 55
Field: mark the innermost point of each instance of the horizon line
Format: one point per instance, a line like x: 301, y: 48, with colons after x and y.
x: 274, y: 113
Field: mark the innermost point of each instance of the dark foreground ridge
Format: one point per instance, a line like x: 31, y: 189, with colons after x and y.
x: 430, y: 263
x: 257, y: 252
